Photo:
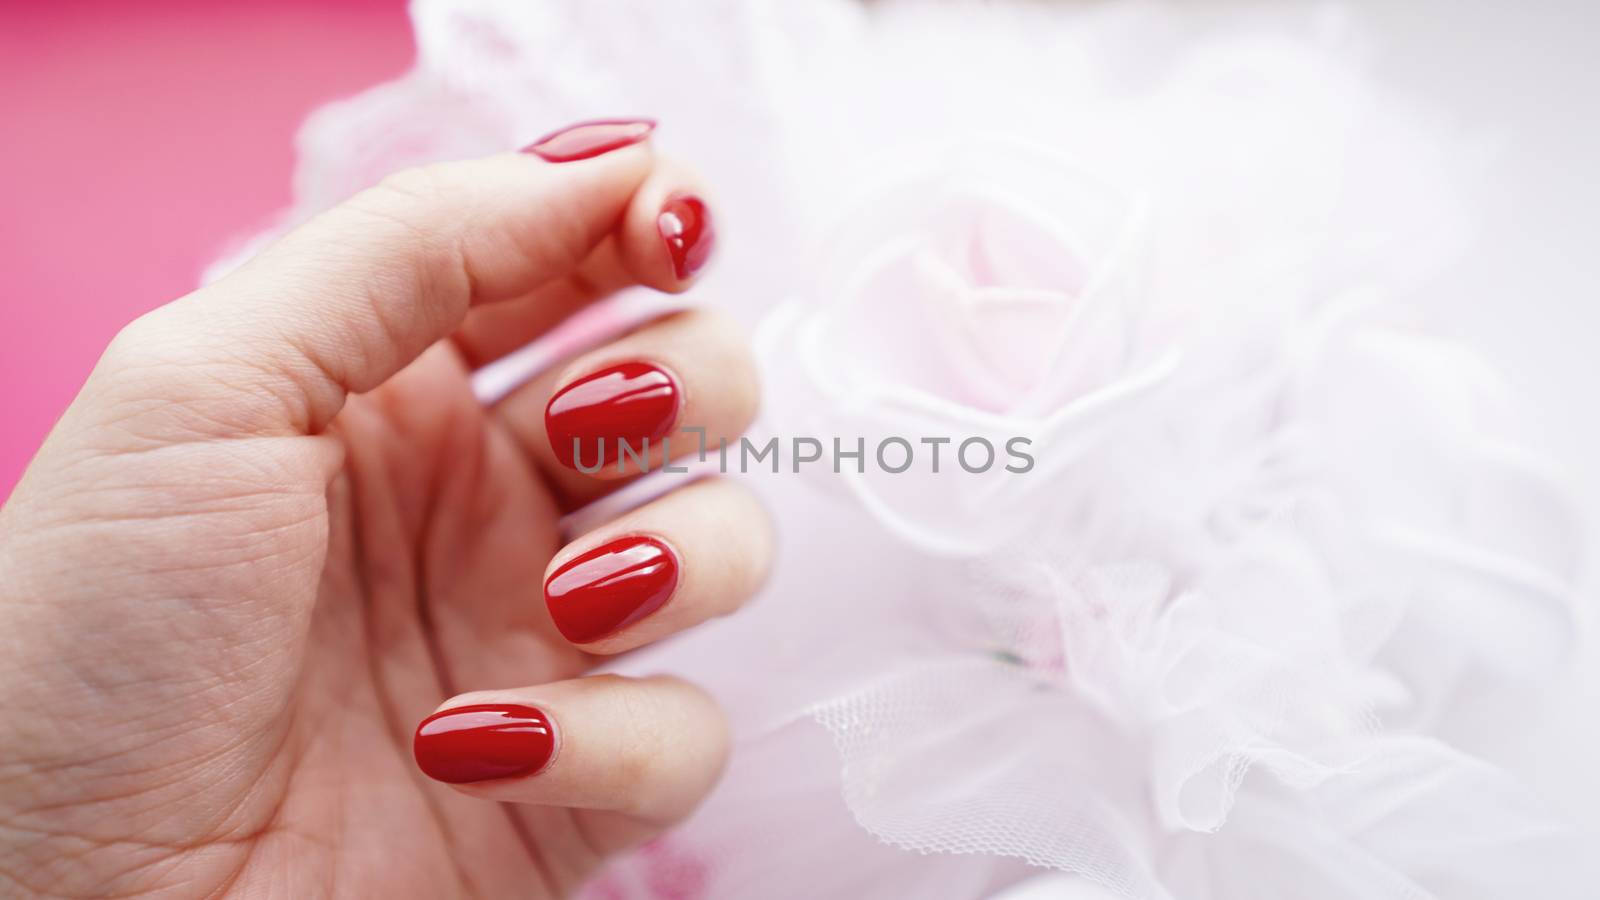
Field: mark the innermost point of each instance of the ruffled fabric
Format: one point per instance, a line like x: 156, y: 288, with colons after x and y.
x: 1283, y: 569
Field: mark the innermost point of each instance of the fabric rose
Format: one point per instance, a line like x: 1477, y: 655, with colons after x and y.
x: 978, y: 305
x: 1177, y: 635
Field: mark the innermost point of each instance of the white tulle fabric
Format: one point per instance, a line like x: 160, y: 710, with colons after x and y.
x: 1282, y: 578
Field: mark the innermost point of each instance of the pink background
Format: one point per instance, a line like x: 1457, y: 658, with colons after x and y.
x: 139, y: 140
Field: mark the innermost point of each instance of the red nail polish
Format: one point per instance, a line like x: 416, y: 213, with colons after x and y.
x: 587, y: 139
x: 483, y: 742
x: 685, y: 224
x: 611, y: 587
x: 588, y: 419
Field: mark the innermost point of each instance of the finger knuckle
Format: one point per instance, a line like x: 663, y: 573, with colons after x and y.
x: 420, y: 202
x: 142, y: 342
x: 149, y: 357
x: 722, y: 338
x: 417, y: 185
x: 644, y: 742
x: 166, y: 375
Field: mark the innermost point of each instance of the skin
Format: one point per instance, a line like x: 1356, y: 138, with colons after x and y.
x: 276, y: 530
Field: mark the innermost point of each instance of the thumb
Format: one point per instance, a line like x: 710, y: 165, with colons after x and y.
x: 345, y: 301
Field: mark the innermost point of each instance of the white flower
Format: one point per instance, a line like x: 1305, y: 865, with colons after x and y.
x: 1227, y: 584
x: 982, y: 290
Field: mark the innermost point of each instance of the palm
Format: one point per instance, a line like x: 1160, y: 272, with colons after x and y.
x: 439, y: 533
x: 337, y: 619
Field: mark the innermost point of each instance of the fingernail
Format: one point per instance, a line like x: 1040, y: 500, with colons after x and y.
x: 591, y: 420
x: 587, y: 139
x: 685, y: 224
x: 483, y: 742
x: 605, y: 590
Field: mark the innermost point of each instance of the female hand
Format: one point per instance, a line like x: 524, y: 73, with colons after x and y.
x: 276, y: 531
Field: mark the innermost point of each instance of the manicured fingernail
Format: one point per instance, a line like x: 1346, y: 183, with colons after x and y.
x: 603, y: 591
x: 596, y: 418
x: 587, y: 139
x: 483, y: 742
x: 685, y: 224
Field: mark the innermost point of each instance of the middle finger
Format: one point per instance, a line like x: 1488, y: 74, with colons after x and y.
x: 613, y: 413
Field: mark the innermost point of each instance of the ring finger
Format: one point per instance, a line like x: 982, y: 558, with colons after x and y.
x: 694, y: 554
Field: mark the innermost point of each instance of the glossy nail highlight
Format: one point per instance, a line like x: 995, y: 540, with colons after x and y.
x: 589, y: 139
x: 685, y: 225
x: 629, y: 403
x: 483, y: 742
x: 603, y: 591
